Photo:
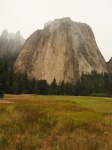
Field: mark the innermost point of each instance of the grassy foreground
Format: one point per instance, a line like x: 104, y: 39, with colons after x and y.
x: 32, y: 122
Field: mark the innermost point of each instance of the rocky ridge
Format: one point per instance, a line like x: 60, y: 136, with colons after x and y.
x: 10, y: 43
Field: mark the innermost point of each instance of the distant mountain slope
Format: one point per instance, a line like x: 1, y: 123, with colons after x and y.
x: 62, y: 50
x: 10, y: 44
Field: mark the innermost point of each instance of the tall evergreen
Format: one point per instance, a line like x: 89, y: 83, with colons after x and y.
x: 62, y: 88
x: 1, y: 91
x: 43, y: 87
x: 53, y: 88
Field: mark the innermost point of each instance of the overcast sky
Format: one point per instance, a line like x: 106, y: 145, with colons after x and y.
x: 30, y: 15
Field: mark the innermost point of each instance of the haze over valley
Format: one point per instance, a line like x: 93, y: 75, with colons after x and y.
x: 28, y: 16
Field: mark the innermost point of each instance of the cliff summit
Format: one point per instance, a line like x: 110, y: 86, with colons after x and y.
x: 62, y: 50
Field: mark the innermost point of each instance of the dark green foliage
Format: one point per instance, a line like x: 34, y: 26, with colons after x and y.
x: 94, y: 83
x: 53, y: 88
x: 43, y: 87
x: 99, y: 94
x: 1, y: 91
x: 89, y: 84
x: 62, y: 88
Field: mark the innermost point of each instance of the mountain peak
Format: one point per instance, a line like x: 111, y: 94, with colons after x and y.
x: 18, y: 33
x: 66, y: 19
x: 10, y: 43
x: 62, y: 50
x: 4, y: 34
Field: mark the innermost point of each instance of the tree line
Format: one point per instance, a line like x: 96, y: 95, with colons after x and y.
x: 17, y: 83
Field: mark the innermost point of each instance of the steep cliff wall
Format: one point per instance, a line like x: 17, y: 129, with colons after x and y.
x: 62, y: 50
x: 109, y: 65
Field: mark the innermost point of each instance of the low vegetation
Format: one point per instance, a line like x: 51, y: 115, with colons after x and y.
x: 30, y: 122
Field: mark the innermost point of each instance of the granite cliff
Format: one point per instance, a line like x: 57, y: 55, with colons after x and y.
x: 10, y: 43
x: 62, y: 50
x: 109, y: 65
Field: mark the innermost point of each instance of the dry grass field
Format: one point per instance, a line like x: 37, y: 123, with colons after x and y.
x: 32, y: 122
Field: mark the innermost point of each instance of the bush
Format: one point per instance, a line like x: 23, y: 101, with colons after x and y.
x: 99, y: 94
x: 1, y: 93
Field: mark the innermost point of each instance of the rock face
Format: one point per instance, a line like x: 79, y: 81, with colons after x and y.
x: 10, y: 44
x: 109, y: 65
x: 62, y: 50
x: 47, y: 23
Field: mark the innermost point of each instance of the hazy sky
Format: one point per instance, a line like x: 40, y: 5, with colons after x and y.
x: 30, y: 15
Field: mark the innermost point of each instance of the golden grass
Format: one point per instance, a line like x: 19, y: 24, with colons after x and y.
x: 33, y: 122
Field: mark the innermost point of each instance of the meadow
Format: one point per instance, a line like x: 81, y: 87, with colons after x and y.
x: 34, y: 122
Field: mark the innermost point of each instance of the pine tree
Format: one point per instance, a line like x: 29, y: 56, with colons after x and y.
x: 78, y: 88
x: 36, y: 88
x: 1, y: 86
x: 43, y: 87
x: 53, y: 87
x: 1, y: 91
x: 62, y: 88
